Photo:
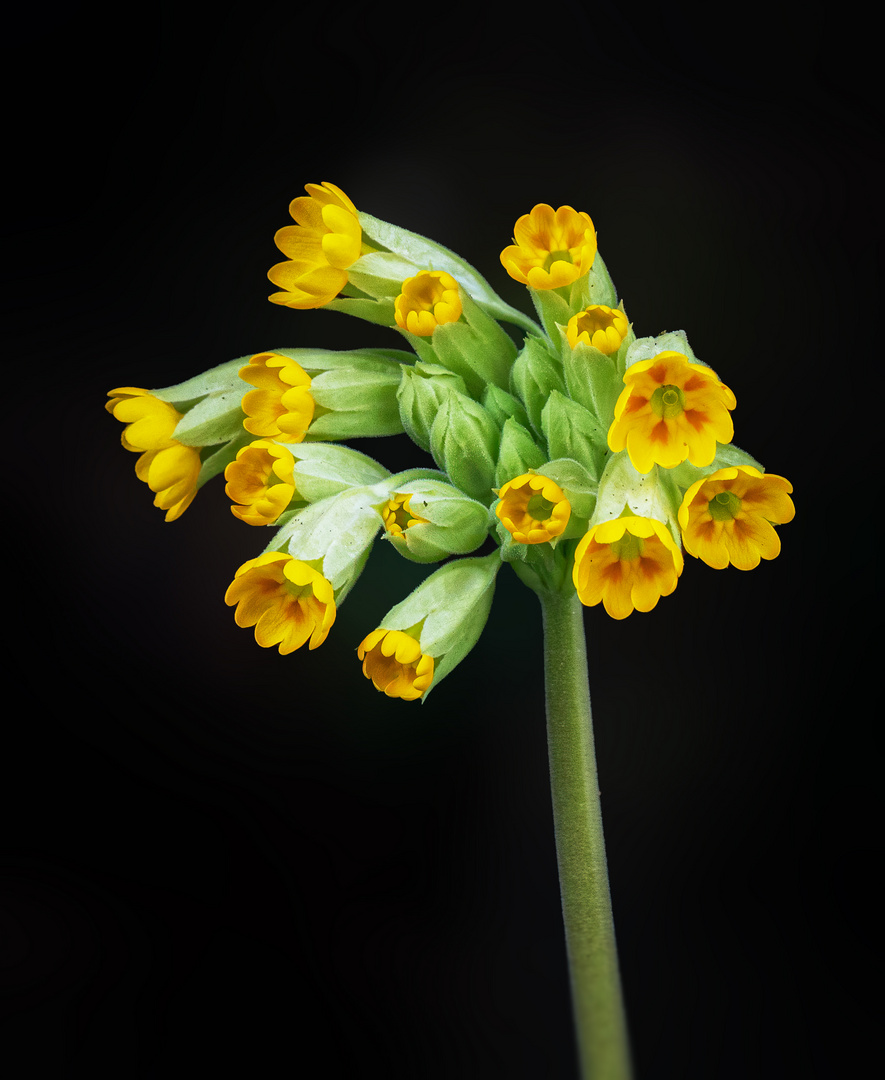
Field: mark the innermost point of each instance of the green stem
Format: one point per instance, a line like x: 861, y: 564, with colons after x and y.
x: 580, y: 847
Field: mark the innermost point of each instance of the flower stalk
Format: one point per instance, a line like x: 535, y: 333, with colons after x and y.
x: 597, y: 1002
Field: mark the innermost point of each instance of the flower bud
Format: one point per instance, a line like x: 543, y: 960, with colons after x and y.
x: 535, y: 374
x: 428, y: 520
x: 573, y: 432
x: 464, y: 443
x: 423, y: 389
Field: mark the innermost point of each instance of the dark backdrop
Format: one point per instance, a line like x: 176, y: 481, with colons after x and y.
x: 214, y: 857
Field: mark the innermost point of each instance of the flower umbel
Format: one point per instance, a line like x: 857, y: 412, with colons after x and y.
x: 393, y: 660
x: 626, y: 563
x: 427, y: 300
x: 261, y: 481
x: 325, y: 241
x: 671, y: 409
x: 287, y: 601
x: 167, y: 467
x: 550, y: 247
x: 533, y: 509
x: 728, y: 517
x: 281, y: 407
x: 602, y: 327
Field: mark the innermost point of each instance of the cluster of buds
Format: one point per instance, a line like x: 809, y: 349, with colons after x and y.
x: 589, y: 459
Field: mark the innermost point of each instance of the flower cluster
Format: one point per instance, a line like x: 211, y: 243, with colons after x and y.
x: 588, y: 459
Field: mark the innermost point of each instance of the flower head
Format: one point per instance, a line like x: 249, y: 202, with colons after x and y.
x: 728, y: 517
x: 626, y: 563
x: 602, y: 327
x: 533, y: 508
x: 393, y: 660
x: 550, y: 247
x: 281, y: 407
x: 169, y: 468
x: 427, y: 300
x: 671, y: 409
x: 261, y: 481
x: 325, y: 241
x: 286, y: 601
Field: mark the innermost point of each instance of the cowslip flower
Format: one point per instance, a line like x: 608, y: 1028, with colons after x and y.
x: 281, y: 407
x: 398, y: 517
x: 287, y: 601
x: 326, y: 240
x: 626, y: 563
x: 533, y: 508
x: 550, y: 247
x: 600, y: 326
x: 393, y: 660
x: 729, y: 517
x: 671, y: 409
x: 169, y: 469
x: 427, y: 300
x: 260, y: 480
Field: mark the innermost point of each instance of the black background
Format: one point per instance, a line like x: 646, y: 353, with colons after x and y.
x: 213, y: 857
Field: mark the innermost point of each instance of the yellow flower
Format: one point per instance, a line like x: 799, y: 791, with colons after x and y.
x: 533, y: 508
x: 281, y: 407
x: 428, y: 300
x: 394, y: 662
x: 670, y: 410
x: 261, y: 481
x: 169, y: 468
x: 602, y: 327
x: 551, y: 248
x: 398, y: 517
x: 626, y: 563
x: 728, y: 517
x: 286, y: 601
x: 326, y: 240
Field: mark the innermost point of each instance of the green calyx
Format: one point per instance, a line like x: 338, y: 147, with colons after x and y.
x: 724, y: 506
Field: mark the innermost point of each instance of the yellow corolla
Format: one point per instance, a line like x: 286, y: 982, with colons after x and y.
x: 326, y: 240
x: 261, y: 481
x: 729, y: 517
x: 602, y: 327
x: 533, y: 508
x: 169, y: 468
x: 427, y: 300
x: 394, y: 662
x: 627, y: 563
x: 287, y: 601
x: 281, y: 406
x: 398, y: 516
x: 550, y: 247
x: 671, y: 409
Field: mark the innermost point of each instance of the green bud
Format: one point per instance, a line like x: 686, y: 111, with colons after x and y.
x: 573, y: 432
x: 427, y: 520
x: 517, y: 454
x: 503, y: 406
x: 464, y: 443
x: 593, y: 379
x: 423, y: 389
x: 536, y: 373
x: 448, y: 611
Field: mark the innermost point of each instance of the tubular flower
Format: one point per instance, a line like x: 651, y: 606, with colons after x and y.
x: 169, y: 468
x: 428, y: 300
x: 728, y: 517
x: 286, y: 601
x: 533, y: 509
x: 261, y: 481
x: 626, y: 563
x: 670, y: 410
x: 602, y: 327
x: 394, y: 662
x: 281, y: 407
x: 319, y: 248
x: 398, y: 517
x: 550, y: 248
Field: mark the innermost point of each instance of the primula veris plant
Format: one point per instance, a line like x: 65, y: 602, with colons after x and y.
x: 587, y: 458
